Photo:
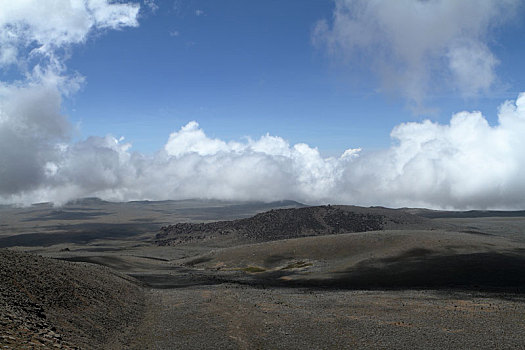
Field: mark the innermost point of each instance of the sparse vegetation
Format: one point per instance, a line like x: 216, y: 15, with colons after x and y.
x: 253, y: 269
x: 297, y: 265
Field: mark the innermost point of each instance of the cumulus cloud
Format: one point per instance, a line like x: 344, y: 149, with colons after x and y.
x: 414, y: 45
x: 33, y: 38
x: 466, y: 163
x: 27, y: 134
x: 191, y: 165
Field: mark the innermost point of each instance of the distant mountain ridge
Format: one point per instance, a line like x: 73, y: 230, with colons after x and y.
x: 448, y: 214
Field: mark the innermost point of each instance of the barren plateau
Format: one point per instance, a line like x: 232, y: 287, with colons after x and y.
x: 236, y: 275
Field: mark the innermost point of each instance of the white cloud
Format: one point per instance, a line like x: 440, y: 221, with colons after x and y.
x: 33, y: 37
x: 466, y: 163
x: 199, y: 13
x: 416, y: 45
x: 472, y: 66
x: 191, y: 139
x: 42, y: 26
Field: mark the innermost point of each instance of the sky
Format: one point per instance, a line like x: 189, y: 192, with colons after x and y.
x: 407, y: 103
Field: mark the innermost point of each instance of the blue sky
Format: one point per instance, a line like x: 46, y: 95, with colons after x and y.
x: 396, y: 103
x: 239, y: 69
x: 246, y: 68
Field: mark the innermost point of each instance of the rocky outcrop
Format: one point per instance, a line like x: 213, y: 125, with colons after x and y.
x: 291, y: 223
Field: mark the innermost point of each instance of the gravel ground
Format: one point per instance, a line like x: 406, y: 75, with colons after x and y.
x: 203, y: 296
x: 231, y: 316
x: 46, y: 303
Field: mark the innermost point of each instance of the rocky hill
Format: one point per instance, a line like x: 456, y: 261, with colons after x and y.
x: 46, y: 303
x: 293, y: 223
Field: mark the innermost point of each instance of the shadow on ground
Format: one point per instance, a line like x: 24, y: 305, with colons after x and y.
x: 67, y: 215
x: 416, y: 270
x: 77, y: 234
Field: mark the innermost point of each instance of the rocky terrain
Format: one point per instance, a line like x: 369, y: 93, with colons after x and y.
x: 390, y: 259
x: 46, y: 303
x: 232, y: 275
x: 292, y: 223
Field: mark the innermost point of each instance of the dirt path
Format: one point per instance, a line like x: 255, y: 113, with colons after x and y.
x: 241, y: 317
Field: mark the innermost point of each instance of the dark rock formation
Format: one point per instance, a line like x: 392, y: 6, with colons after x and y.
x: 291, y: 223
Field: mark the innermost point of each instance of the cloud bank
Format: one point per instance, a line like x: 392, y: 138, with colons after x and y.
x: 466, y: 163
x: 415, y: 45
